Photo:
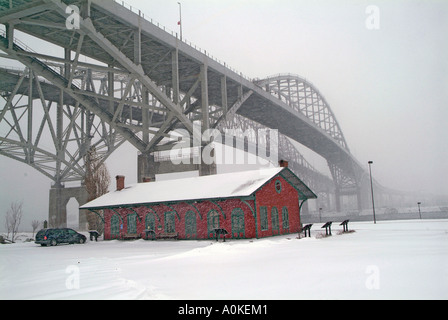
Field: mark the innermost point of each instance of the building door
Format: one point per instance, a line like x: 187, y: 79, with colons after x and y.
x: 238, y: 230
x: 132, y: 223
x: 115, y: 227
x: 274, y: 217
x: 285, y: 219
x: 190, y: 225
x: 170, y: 226
x: 150, y: 222
x: 212, y: 223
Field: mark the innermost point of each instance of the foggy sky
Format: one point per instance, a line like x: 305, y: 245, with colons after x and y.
x: 388, y: 88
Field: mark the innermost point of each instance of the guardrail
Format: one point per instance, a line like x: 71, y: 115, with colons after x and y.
x: 175, y: 34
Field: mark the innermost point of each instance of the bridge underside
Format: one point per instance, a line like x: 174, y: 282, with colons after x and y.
x: 140, y: 85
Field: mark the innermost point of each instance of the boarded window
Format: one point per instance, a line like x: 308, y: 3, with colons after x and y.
x: 170, y: 226
x: 132, y: 223
x: 238, y: 223
x: 190, y: 224
x: 212, y: 221
x: 274, y: 217
x: 285, y: 218
x: 115, y: 226
x: 150, y: 222
x: 264, y: 218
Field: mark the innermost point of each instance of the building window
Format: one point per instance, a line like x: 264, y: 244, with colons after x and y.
x: 115, y: 226
x: 170, y: 226
x: 238, y: 223
x: 150, y: 222
x: 132, y: 223
x: 274, y: 217
x: 212, y: 222
x: 190, y: 224
x: 285, y: 218
x: 278, y: 186
x: 264, y: 218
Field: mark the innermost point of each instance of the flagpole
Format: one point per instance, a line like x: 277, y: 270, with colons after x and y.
x: 180, y: 21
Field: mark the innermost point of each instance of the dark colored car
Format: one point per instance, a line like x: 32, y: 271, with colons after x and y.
x: 53, y: 237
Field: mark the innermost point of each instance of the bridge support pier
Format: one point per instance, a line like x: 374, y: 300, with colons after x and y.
x: 337, y: 199
x: 59, y: 197
x: 207, y: 168
x: 149, y: 165
x: 359, y: 198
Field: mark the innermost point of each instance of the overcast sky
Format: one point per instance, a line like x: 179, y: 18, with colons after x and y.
x: 388, y: 86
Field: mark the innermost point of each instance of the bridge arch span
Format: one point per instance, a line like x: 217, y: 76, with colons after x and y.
x: 302, y: 96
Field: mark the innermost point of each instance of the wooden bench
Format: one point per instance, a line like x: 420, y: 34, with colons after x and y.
x: 220, y: 231
x: 168, y: 235
x: 150, y: 234
x: 133, y: 236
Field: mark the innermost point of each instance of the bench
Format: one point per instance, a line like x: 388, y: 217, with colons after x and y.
x: 220, y: 231
x: 168, y: 235
x: 344, y: 225
x: 149, y: 232
x: 130, y: 236
x: 307, y: 228
x: 327, y: 227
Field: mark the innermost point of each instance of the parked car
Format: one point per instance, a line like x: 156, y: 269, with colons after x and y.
x: 53, y: 237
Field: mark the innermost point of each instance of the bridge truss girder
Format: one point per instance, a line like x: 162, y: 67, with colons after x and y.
x: 48, y: 130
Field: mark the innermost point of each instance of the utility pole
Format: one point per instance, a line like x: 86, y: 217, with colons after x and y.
x: 180, y: 19
x: 371, y: 188
x: 419, y: 211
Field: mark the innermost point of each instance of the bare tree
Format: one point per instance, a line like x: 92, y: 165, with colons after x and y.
x: 35, y: 224
x: 13, y: 219
x: 97, y: 181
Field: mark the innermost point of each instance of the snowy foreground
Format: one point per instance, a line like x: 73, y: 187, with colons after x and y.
x: 389, y: 260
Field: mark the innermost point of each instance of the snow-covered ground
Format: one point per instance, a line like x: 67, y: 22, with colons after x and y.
x: 389, y: 260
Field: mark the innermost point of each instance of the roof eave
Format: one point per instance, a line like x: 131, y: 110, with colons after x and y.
x: 305, y: 193
x: 172, y: 202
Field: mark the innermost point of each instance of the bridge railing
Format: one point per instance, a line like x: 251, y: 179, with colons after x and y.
x: 278, y: 75
x: 175, y: 34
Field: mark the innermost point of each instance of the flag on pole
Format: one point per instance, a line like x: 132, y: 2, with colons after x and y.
x: 178, y: 23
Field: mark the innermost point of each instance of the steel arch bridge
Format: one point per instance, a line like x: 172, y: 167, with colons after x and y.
x: 139, y: 85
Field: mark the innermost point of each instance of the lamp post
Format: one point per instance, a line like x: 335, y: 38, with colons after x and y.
x: 419, y: 212
x: 180, y: 21
x: 371, y: 188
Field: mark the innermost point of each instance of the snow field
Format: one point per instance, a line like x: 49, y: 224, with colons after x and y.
x: 389, y: 260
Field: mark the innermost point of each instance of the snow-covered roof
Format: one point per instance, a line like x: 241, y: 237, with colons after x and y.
x: 229, y: 185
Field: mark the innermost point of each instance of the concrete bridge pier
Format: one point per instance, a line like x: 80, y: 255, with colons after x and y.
x: 59, y: 197
x: 150, y: 164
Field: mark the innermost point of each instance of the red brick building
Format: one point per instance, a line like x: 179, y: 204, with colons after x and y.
x: 251, y: 204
